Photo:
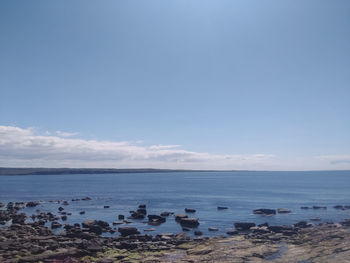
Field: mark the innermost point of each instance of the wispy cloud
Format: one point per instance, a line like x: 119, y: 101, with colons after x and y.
x: 24, y: 147
x: 335, y: 159
x: 66, y: 134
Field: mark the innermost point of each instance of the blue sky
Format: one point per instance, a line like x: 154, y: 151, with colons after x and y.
x: 219, y: 78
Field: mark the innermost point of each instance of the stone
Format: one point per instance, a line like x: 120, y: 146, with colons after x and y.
x: 283, y: 211
x: 106, y: 206
x: 121, y: 217
x: 142, y: 206
x: 60, y: 208
x: 222, y: 207
x: 178, y: 217
x: 319, y: 207
x: 127, y: 231
x: 32, y: 204
x: 243, y: 226
x: 198, y: 233
x: 190, y: 210
x: 213, y: 229
x: 165, y: 213
x: 189, y: 222
x: 156, y: 219
x: 264, y: 211
x: 55, y: 225
x: 82, y: 212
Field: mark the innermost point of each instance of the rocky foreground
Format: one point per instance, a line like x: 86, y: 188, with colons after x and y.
x: 23, y: 241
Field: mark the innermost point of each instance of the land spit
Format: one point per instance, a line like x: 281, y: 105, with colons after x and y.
x: 22, y: 241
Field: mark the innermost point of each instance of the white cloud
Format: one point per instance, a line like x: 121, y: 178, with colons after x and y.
x: 66, y: 134
x: 335, y: 159
x: 23, y: 148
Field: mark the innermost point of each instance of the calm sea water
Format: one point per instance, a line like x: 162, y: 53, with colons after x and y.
x: 241, y: 192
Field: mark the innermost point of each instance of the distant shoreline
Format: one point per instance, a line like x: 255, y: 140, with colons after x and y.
x: 7, y: 171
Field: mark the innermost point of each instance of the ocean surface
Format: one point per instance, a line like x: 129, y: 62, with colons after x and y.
x: 241, y: 192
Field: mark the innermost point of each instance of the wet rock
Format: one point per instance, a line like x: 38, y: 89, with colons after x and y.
x: 19, y: 218
x: 302, y: 224
x: 264, y: 211
x: 142, y: 211
x: 280, y: 229
x: 189, y: 222
x: 231, y: 232
x: 178, y: 217
x: 338, y: 207
x: 156, y: 219
x: 190, y: 210
x: 86, y: 198
x: 166, y: 213
x: 75, y: 199
x: 222, y: 207
x: 64, y: 218
x: 32, y: 204
x: 186, y: 229
x: 55, y: 225
x: 117, y: 223
x: 60, y: 208
x: 315, y: 219
x: 283, y: 211
x: 136, y: 215
x: 243, y: 226
x: 65, y: 203
x: 305, y: 207
x: 127, y: 231
x: 263, y: 224
x: 213, y: 229
x: 198, y: 233
x: 82, y: 212
x: 142, y: 206
x: 106, y: 206
x: 149, y: 229
x: 319, y: 207
x: 121, y: 217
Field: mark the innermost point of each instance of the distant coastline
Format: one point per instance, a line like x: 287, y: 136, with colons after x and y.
x: 57, y: 171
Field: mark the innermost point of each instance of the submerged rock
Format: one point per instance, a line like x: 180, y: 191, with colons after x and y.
x: 264, y: 211
x: 189, y: 222
x: 242, y: 226
x: 190, y: 210
x: 127, y: 231
x: 283, y: 211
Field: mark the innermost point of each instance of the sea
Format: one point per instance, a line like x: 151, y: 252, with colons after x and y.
x: 240, y: 192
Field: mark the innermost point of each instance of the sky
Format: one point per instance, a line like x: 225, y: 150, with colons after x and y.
x: 250, y: 84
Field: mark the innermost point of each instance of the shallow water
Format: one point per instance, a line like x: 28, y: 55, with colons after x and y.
x: 241, y: 192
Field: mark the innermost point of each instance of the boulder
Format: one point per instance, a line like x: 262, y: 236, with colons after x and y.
x: 166, y: 213
x: 264, y: 211
x: 283, y: 211
x: 280, y: 229
x: 142, y: 211
x: 198, y: 233
x: 106, y: 206
x: 127, y: 231
x: 55, y: 225
x: 156, y: 219
x: 178, y: 217
x: 302, y: 224
x: 213, y: 229
x: 222, y: 207
x: 65, y: 203
x: 86, y: 198
x: 243, y: 226
x: 231, y: 232
x: 121, y: 217
x: 319, y: 207
x: 60, y: 208
x: 142, y: 206
x: 190, y: 210
x: 136, y: 215
x: 32, y: 204
x: 338, y: 207
x: 189, y: 222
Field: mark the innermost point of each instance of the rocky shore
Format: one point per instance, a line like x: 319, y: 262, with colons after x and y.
x: 34, y: 241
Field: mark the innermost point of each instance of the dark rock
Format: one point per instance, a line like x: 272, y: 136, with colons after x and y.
x: 19, y: 218
x: 75, y: 199
x: 64, y: 218
x: 165, y: 213
x: 301, y: 224
x: 82, y: 212
x: 345, y: 222
x: 304, y: 207
x: 136, y: 215
x: 65, y: 203
x: 142, y: 211
x: 60, y: 208
x: 338, y: 207
x: 319, y: 207
x: 231, y: 232
x: 86, y: 198
x: 222, y: 207
x: 121, y: 217
x: 315, y: 219
x: 142, y: 206
x: 263, y: 224
x: 55, y: 225
x: 127, y: 231
x: 190, y: 210
x: 106, y: 206
x: 264, y: 211
x: 213, y: 229
x: 178, y: 217
x: 280, y: 229
x: 283, y: 211
x: 198, y: 233
x: 117, y: 223
x: 32, y: 204
x: 156, y: 219
x: 189, y: 222
x: 186, y: 229
x: 243, y: 226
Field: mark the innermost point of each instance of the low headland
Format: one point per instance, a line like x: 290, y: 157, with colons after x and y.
x: 34, y: 238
